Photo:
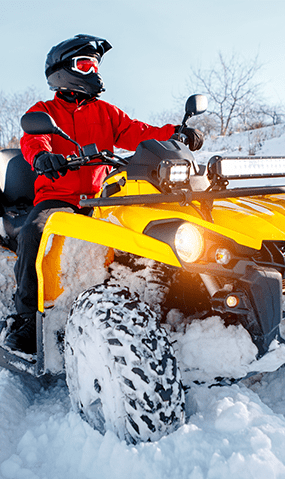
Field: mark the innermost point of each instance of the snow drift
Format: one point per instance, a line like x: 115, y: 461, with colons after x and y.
x: 232, y: 431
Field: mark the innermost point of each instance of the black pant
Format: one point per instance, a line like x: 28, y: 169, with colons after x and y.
x: 26, y: 297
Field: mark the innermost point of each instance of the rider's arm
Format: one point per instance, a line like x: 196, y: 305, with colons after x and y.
x: 129, y: 133
x: 32, y: 145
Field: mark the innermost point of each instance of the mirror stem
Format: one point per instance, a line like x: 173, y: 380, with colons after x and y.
x: 66, y: 137
x: 186, y: 116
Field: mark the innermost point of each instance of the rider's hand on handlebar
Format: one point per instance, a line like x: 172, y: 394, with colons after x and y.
x: 194, y: 137
x: 50, y: 164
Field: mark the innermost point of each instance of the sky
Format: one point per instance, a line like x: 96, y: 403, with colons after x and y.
x: 156, y: 43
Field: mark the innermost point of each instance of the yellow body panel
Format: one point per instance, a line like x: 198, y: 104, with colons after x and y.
x: 260, y: 218
x: 100, y: 232
x: 50, y: 268
x: 132, y: 187
x: 248, y: 221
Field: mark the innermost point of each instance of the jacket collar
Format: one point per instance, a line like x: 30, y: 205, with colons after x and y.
x: 69, y: 104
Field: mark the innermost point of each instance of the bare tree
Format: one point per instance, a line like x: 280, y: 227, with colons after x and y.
x: 12, y: 107
x: 260, y: 115
x: 230, y: 87
x: 275, y: 114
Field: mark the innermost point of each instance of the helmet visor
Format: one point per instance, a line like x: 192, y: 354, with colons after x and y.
x: 85, y: 65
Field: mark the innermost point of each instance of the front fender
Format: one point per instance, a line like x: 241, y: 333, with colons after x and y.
x: 95, y: 231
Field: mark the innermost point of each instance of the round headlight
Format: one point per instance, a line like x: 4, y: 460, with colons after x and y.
x: 189, y: 243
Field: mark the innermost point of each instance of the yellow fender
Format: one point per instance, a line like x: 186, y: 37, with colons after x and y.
x: 50, y: 265
x: 85, y: 228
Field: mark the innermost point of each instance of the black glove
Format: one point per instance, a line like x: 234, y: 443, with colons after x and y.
x: 49, y: 164
x: 194, y: 137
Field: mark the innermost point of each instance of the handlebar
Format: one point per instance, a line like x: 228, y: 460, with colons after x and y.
x: 104, y: 157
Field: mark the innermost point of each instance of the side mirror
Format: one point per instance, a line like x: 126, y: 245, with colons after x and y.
x: 38, y: 123
x: 41, y: 123
x: 196, y: 104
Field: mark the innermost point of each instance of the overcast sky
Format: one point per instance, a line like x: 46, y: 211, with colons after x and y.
x: 155, y: 44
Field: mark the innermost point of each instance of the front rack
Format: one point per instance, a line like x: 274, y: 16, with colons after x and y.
x: 218, y: 172
x: 184, y: 197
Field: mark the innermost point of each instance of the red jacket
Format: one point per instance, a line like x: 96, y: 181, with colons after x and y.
x: 94, y: 121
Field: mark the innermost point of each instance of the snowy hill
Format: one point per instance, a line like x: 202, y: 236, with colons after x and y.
x: 260, y: 142
x: 232, y: 432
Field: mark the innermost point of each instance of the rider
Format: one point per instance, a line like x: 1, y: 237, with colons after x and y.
x: 72, y: 72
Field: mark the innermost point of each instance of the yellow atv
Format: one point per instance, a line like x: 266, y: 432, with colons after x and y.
x: 170, y: 243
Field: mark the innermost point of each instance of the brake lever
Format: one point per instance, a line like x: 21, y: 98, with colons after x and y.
x: 109, y: 154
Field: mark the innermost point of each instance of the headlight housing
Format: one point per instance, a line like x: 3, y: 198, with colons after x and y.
x: 174, y: 173
x: 192, y: 243
x: 189, y: 243
x: 186, y: 239
x: 228, y: 168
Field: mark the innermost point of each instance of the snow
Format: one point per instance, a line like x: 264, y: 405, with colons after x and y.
x: 82, y: 265
x: 231, y: 433
x: 235, y: 432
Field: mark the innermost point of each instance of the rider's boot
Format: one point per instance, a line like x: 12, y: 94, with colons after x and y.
x: 23, y: 338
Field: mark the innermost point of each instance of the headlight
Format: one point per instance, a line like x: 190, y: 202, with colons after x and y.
x: 238, y: 168
x: 223, y: 256
x: 178, y: 173
x: 189, y: 243
x: 174, y: 173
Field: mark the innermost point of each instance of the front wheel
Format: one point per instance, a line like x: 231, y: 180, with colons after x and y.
x: 121, y: 371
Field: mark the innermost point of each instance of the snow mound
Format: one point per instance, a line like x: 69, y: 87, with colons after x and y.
x: 235, y: 432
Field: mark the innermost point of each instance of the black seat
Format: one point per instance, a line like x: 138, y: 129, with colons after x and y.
x: 16, y: 193
x: 16, y: 177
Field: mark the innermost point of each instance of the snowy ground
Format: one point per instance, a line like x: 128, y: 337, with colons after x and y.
x: 235, y: 432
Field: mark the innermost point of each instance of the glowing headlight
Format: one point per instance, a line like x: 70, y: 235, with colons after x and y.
x: 178, y: 173
x: 234, y: 168
x: 189, y: 243
x: 173, y: 173
x: 232, y: 301
x: 223, y: 256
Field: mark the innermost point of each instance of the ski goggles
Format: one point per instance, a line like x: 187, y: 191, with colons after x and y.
x: 85, y: 65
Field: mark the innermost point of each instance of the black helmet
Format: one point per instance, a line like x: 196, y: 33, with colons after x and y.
x: 58, y: 69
